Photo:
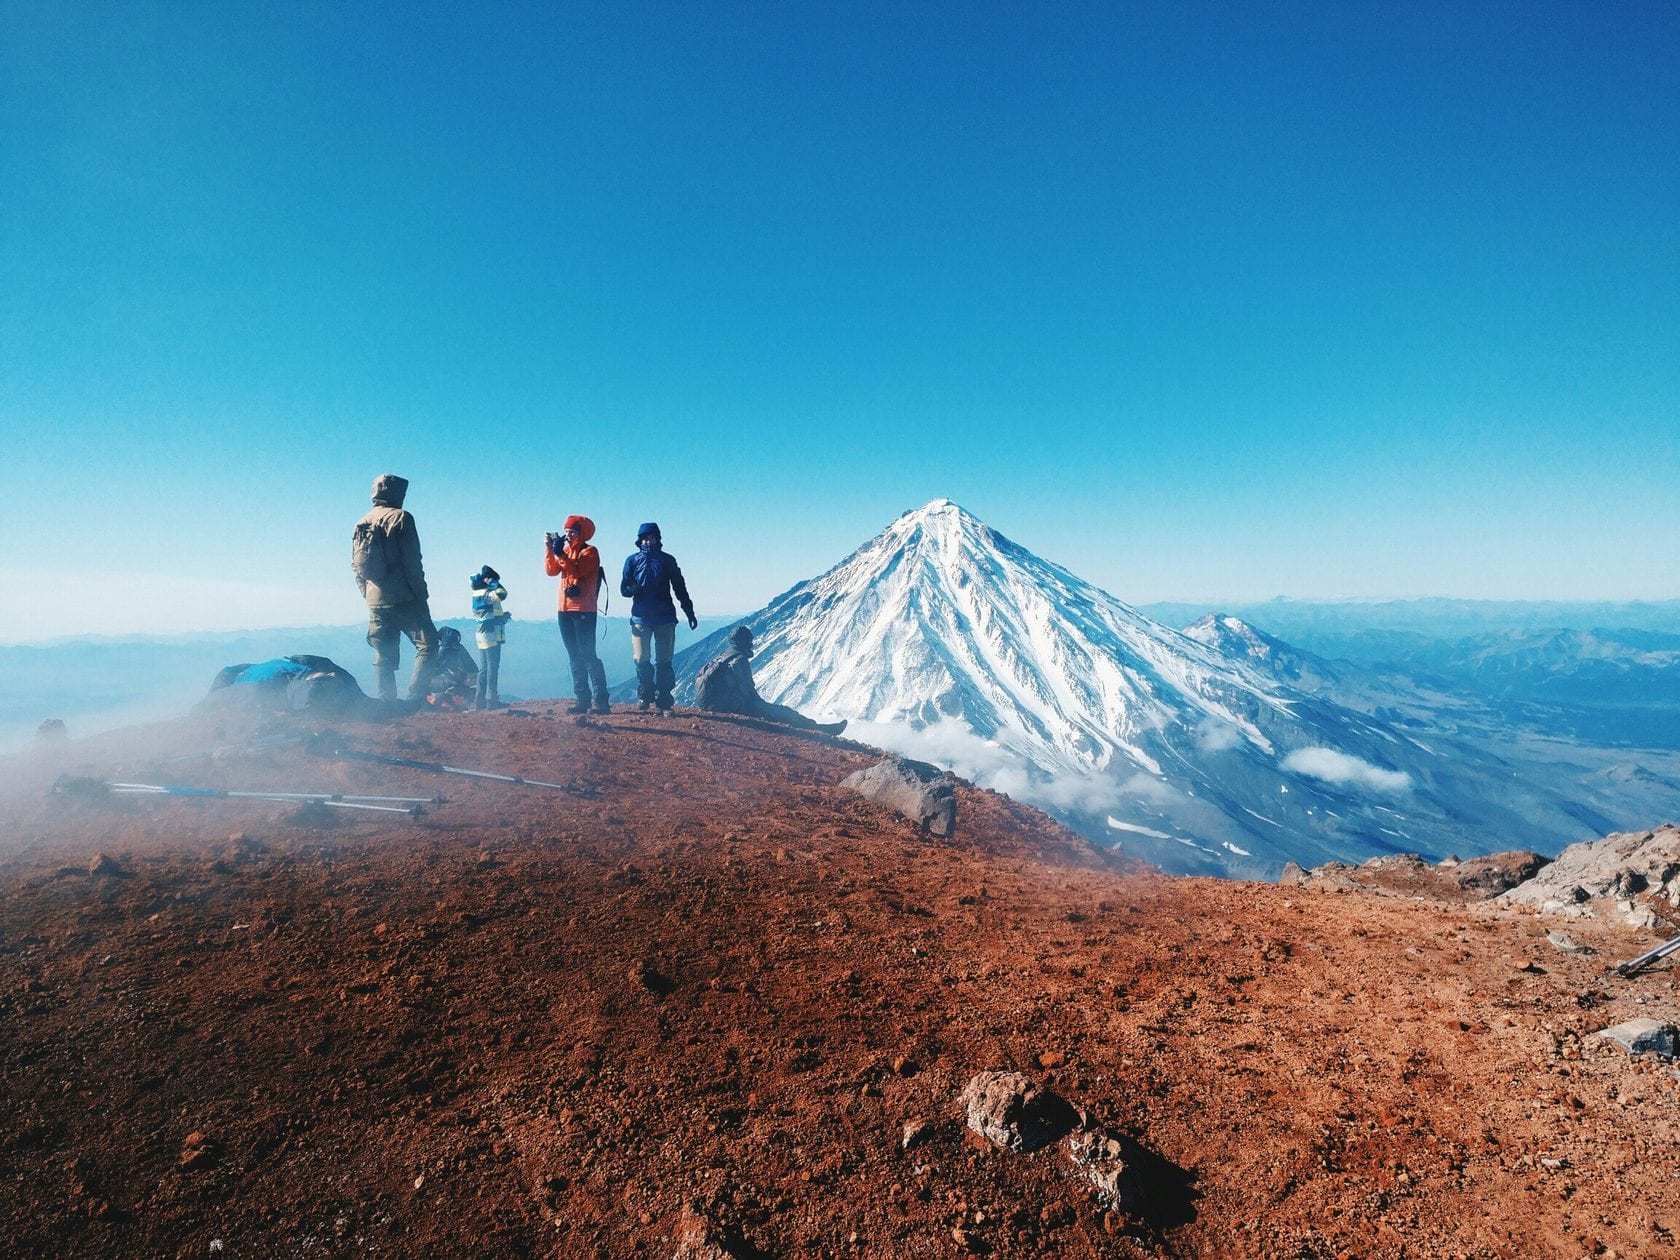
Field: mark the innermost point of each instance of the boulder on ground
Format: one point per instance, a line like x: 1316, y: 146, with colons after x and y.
x: 1100, y: 1159
x: 1644, y: 1036
x: 1493, y: 873
x: 1410, y: 875
x: 1604, y: 876
x: 1011, y: 1111
x: 924, y: 794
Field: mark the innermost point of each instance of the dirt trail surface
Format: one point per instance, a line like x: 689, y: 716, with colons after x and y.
x: 710, y: 1004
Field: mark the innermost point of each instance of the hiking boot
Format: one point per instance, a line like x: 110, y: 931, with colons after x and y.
x: 644, y: 706
x: 578, y: 706
x: 601, y: 706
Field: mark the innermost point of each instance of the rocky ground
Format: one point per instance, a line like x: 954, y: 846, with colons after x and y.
x: 707, y: 1003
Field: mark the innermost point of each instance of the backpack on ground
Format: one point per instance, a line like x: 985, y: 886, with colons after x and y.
x: 367, y: 553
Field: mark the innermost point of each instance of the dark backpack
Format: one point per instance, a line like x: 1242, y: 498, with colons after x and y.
x: 367, y: 553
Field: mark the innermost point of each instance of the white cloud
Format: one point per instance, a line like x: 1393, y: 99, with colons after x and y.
x: 956, y: 748
x: 1214, y: 736
x: 1345, y: 771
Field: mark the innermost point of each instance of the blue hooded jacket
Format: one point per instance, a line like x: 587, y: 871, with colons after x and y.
x: 650, y: 577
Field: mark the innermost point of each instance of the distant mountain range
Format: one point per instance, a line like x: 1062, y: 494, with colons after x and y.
x: 1219, y: 749
x: 1251, y: 736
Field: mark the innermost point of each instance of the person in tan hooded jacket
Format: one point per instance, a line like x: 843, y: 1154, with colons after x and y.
x: 385, y: 557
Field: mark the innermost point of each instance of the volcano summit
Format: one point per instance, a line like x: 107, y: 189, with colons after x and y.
x: 942, y: 638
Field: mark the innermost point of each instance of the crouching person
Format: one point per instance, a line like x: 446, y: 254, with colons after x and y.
x: 725, y: 685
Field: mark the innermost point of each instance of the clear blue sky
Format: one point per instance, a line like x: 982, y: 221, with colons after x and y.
x: 1323, y: 300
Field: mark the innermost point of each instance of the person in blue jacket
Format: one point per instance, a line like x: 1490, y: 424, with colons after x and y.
x: 650, y: 578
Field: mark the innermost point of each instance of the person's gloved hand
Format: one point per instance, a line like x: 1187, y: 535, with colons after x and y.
x: 693, y: 622
x: 572, y: 591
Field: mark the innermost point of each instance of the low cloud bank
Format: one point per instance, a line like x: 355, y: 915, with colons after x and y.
x: 956, y: 748
x: 1345, y: 771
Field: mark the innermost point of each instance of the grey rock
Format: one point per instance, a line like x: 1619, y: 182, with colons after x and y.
x: 924, y: 794
x: 1292, y: 874
x: 1644, y: 1036
x: 1603, y: 876
x: 1101, y: 1159
x: 1011, y: 1111
x: 1568, y: 944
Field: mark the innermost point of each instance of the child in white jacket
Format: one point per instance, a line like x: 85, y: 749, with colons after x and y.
x: 488, y: 595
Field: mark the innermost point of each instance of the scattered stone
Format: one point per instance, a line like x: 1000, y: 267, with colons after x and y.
x: 699, y: 1239
x: 105, y: 864
x: 1051, y: 1058
x: 1644, y: 1036
x: 646, y: 975
x: 914, y: 1131
x: 903, y: 1065
x: 1568, y: 944
x: 198, y: 1151
x: 1293, y: 874
x: 924, y: 794
x: 486, y: 860
x: 1101, y: 1159
x: 1011, y: 1111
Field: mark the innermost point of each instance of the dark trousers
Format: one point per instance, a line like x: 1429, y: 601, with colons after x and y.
x: 489, y: 675
x: 577, y: 632
x: 386, y: 627
x: 780, y: 713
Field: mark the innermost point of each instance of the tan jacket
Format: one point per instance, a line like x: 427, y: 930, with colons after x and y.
x: 405, y: 577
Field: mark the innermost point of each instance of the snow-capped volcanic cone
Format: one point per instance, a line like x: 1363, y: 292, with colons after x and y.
x: 942, y: 618
x: 944, y: 639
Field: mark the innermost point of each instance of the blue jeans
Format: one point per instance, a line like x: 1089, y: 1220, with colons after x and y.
x: 577, y: 632
x: 489, y: 675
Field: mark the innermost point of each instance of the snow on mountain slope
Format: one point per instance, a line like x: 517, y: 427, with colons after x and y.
x: 942, y: 638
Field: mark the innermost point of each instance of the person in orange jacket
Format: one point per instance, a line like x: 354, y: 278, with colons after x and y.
x: 570, y: 558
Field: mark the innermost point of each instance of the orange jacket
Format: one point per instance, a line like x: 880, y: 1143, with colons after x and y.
x: 578, y: 568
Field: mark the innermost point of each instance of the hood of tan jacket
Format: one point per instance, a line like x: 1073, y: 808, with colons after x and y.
x: 389, y: 490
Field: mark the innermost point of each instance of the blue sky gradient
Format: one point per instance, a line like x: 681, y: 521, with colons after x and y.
x: 1329, y: 300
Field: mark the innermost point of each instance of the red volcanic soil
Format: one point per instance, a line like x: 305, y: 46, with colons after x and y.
x: 690, y: 1008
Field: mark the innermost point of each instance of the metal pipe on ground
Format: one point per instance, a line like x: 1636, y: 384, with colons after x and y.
x: 337, y: 800
x: 437, y: 767
x: 1648, y: 957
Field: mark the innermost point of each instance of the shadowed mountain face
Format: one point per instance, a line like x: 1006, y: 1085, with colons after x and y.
x: 1218, y: 750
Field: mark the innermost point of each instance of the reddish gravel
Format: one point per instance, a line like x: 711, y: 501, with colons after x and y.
x: 691, y: 1011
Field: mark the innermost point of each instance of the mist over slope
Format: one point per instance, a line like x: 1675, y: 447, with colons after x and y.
x: 1221, y: 750
x: 98, y: 684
